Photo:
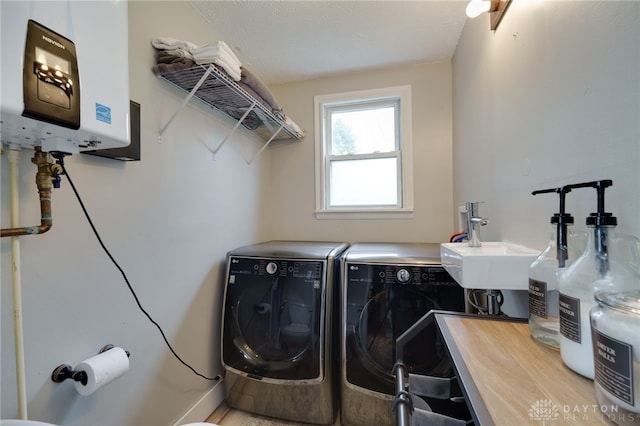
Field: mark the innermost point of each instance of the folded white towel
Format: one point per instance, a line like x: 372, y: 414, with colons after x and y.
x: 168, y: 43
x: 214, y: 48
x: 213, y: 55
x: 220, y: 56
x: 218, y: 53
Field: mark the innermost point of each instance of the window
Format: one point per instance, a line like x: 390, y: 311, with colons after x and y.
x: 363, y: 154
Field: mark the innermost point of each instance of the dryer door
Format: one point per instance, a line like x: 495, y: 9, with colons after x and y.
x: 273, y: 316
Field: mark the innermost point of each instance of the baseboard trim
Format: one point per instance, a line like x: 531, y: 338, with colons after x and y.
x: 205, y: 405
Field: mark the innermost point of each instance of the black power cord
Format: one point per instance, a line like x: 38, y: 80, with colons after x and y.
x: 59, y: 156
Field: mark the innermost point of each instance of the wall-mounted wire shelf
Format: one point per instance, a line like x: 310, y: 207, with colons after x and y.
x: 215, y: 88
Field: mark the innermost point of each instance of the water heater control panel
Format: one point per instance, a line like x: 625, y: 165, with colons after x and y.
x: 50, y: 77
x: 65, y: 75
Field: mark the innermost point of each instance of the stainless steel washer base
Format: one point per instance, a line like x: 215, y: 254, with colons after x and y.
x: 309, y: 403
x: 362, y: 408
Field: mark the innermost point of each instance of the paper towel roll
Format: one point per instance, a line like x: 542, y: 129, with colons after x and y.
x: 102, y: 369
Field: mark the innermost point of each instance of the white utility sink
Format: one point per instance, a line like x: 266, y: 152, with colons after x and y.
x: 494, y: 265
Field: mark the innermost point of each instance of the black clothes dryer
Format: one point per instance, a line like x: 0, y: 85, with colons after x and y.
x: 278, y: 348
x: 386, y: 288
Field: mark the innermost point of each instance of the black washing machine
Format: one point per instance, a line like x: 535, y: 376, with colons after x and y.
x: 386, y: 288
x: 278, y: 348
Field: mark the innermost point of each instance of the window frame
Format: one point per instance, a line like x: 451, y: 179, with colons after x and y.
x: 399, y: 94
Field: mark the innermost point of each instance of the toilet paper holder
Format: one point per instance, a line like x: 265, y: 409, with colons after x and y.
x: 65, y: 371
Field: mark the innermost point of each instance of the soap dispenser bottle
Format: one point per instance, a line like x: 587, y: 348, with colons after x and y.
x: 561, y: 251
x: 600, y: 267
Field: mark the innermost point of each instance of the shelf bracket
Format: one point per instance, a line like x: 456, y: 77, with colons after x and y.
x: 266, y: 144
x: 185, y: 102
x: 215, y: 151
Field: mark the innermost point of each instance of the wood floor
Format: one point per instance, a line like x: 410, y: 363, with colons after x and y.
x: 226, y: 416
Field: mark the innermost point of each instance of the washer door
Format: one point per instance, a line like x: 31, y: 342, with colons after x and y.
x: 258, y: 323
x: 272, y: 318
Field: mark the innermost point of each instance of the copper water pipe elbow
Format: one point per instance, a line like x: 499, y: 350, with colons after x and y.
x: 44, y: 181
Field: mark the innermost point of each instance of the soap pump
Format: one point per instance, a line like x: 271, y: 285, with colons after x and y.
x: 543, y: 280
x: 600, y: 267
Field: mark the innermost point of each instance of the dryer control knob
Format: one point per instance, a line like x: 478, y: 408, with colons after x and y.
x: 403, y: 276
x: 272, y: 268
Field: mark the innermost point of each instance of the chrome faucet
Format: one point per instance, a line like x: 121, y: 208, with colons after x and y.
x: 474, y: 221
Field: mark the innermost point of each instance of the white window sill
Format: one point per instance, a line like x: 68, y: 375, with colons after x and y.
x: 364, y: 214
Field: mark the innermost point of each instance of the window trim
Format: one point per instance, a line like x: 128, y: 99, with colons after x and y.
x: 403, y: 94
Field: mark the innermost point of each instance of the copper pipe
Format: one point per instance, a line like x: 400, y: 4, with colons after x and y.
x: 44, y: 181
x: 46, y: 221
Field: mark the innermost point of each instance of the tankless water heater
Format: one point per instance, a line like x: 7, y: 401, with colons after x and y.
x: 65, y: 74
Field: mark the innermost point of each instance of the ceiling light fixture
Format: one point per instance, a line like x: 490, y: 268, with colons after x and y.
x: 496, y: 9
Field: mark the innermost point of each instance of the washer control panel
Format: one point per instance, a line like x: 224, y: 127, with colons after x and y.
x: 239, y: 267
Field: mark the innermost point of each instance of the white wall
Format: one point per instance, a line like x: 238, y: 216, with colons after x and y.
x: 293, y: 196
x: 551, y: 98
x: 169, y: 221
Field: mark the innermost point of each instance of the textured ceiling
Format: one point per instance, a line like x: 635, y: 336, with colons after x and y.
x: 285, y: 41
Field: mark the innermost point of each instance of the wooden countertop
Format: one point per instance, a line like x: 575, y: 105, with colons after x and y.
x: 510, y: 379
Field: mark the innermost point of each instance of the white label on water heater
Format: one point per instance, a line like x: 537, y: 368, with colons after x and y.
x: 103, y: 113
